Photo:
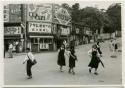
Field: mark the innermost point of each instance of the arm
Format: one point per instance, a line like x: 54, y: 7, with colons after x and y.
x: 90, y: 53
x: 26, y: 58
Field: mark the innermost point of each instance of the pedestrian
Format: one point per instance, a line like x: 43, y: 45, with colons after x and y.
x: 111, y: 46
x: 10, y: 50
x: 72, y: 59
x: 61, y: 57
x: 98, y: 48
x: 95, y: 60
x: 29, y: 59
x: 115, y: 46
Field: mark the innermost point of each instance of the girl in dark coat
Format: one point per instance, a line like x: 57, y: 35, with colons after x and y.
x: 98, y: 48
x: 72, y: 59
x: 61, y: 57
x: 94, y: 59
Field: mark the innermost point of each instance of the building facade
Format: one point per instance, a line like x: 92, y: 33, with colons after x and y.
x: 39, y: 27
x: 13, y: 32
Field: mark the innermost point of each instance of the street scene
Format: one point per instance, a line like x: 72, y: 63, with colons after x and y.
x: 63, y: 44
x: 49, y: 74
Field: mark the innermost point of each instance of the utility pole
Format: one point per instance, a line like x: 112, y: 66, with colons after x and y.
x: 23, y: 23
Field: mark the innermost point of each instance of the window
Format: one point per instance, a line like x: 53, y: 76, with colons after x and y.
x: 35, y: 40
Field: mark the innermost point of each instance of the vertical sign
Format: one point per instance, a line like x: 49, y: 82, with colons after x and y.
x: 6, y: 13
x: 15, y: 12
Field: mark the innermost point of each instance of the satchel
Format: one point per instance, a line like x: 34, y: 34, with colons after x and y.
x: 32, y: 62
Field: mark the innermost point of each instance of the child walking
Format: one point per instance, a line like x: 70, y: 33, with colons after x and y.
x: 72, y: 59
x: 95, y: 60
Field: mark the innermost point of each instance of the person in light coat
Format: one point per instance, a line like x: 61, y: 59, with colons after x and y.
x: 10, y: 50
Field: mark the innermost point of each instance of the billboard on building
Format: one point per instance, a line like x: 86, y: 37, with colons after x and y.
x: 41, y: 12
x: 36, y: 27
x: 13, y: 30
x: 14, y: 12
x: 65, y: 31
x: 61, y: 15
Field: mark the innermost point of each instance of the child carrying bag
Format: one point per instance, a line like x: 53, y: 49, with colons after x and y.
x: 32, y: 62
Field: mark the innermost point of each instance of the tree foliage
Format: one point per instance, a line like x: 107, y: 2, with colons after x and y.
x: 114, y: 13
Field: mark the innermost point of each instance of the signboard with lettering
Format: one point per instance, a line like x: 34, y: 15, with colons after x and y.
x: 65, y: 31
x: 15, y: 12
x: 61, y: 15
x: 12, y: 30
x: 6, y: 13
x: 44, y: 46
x: 39, y: 27
x: 41, y: 12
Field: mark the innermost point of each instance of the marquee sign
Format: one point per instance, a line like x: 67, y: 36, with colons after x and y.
x: 12, y: 30
x: 62, y: 15
x: 39, y: 27
x: 42, y: 12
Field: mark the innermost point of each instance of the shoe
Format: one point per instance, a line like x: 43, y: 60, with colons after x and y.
x: 29, y: 77
x: 89, y: 70
x: 96, y: 73
x: 73, y: 73
x: 61, y: 70
x: 69, y: 71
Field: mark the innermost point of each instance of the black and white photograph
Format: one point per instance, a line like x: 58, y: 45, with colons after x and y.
x: 63, y: 43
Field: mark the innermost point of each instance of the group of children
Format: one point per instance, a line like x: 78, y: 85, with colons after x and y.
x: 95, y: 54
x: 70, y: 54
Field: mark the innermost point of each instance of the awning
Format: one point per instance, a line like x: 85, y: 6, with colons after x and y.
x: 41, y: 36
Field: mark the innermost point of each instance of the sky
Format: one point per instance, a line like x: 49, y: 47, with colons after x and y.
x: 98, y: 4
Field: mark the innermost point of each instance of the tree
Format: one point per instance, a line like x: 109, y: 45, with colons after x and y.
x: 114, y: 13
x: 75, y: 13
x: 93, y: 18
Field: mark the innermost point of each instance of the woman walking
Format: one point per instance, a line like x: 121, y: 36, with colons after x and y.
x: 72, y: 59
x: 95, y: 60
x: 29, y: 59
x: 61, y: 57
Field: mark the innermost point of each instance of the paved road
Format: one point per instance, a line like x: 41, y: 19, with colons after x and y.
x: 46, y: 72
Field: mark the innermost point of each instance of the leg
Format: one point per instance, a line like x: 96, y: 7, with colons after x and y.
x: 29, y: 73
x: 90, y: 69
x: 61, y: 69
x: 96, y: 73
x: 69, y: 70
x: 73, y: 71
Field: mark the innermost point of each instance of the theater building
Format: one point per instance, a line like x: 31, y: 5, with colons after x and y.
x: 13, y: 32
x: 62, y: 21
x: 45, y: 21
x: 40, y: 27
